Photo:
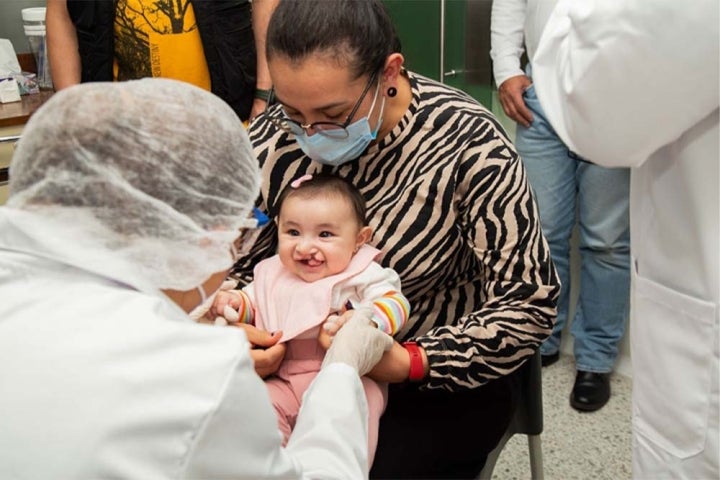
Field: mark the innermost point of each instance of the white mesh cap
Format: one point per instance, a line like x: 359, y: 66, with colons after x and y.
x: 158, y: 171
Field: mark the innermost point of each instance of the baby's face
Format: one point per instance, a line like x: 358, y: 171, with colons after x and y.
x: 318, y: 236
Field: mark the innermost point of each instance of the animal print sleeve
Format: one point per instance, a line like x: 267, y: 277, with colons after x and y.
x: 499, y: 220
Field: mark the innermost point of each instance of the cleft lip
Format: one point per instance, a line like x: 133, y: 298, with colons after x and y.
x: 309, y: 261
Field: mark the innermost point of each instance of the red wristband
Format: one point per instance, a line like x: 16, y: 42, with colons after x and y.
x: 417, y: 371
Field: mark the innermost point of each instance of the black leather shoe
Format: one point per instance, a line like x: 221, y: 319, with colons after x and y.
x: 547, y: 360
x: 590, y: 392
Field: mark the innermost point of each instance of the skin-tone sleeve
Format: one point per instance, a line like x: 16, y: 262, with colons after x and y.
x: 62, y: 45
x: 619, y: 80
x: 261, y: 13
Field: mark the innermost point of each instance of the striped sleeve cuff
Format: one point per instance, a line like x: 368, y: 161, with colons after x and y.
x: 390, y: 312
x: 246, y: 312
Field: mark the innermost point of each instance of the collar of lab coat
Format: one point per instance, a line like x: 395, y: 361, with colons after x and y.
x: 53, y: 241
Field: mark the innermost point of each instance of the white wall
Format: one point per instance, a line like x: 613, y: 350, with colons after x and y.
x: 11, y: 22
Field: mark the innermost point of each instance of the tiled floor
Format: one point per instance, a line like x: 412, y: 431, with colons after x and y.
x: 575, y: 446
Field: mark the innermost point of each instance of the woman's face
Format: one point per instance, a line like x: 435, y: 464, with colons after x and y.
x: 318, y: 89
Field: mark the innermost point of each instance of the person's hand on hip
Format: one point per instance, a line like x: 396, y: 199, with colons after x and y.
x: 510, y: 93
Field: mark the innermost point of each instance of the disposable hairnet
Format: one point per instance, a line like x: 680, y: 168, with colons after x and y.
x: 158, y: 171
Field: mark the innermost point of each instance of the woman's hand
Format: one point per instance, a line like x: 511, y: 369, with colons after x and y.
x: 266, y: 352
x: 268, y: 361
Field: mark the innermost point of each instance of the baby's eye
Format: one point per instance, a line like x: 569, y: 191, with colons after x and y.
x: 326, y: 234
x: 293, y: 233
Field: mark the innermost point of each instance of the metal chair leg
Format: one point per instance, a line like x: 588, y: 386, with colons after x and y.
x: 536, y: 461
x: 492, y: 458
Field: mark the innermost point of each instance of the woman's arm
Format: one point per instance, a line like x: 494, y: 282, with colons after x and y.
x: 510, y: 291
x: 62, y: 45
x: 498, y: 217
x: 261, y: 13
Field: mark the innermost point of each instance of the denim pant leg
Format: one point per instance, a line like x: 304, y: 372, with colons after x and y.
x: 551, y: 174
x: 604, y: 238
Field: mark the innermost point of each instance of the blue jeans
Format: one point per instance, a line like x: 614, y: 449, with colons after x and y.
x: 564, y: 185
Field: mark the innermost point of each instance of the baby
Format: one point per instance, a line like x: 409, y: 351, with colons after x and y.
x: 323, y: 268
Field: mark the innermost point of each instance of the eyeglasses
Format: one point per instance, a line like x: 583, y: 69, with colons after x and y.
x: 250, y: 232
x: 328, y: 129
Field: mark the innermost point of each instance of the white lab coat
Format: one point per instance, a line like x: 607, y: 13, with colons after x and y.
x: 635, y: 83
x: 103, y: 377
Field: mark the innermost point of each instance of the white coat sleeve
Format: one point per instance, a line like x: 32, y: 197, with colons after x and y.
x: 619, y: 79
x: 507, y: 23
x: 330, y: 438
x: 241, y: 439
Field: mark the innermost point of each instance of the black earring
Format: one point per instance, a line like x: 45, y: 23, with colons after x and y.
x: 391, y: 92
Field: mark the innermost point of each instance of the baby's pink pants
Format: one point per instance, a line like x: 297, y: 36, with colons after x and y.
x: 300, y: 366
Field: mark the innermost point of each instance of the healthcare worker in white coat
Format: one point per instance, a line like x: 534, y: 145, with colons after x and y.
x: 125, y: 201
x: 632, y: 83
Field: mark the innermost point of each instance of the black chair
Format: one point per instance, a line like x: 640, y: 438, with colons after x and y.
x: 527, y: 420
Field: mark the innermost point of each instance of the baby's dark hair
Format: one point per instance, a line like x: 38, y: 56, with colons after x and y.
x: 324, y: 184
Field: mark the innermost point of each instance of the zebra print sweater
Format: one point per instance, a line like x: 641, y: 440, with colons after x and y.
x: 453, y: 214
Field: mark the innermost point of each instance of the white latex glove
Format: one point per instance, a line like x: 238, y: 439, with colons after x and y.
x: 200, y: 312
x: 359, y: 343
x: 230, y: 315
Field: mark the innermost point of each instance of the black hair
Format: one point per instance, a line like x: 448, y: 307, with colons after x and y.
x: 325, y: 184
x: 356, y: 33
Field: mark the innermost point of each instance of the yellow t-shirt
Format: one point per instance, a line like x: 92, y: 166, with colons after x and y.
x: 159, y: 38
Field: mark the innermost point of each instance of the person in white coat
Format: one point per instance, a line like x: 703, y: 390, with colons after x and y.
x: 567, y: 186
x: 626, y: 84
x: 125, y: 201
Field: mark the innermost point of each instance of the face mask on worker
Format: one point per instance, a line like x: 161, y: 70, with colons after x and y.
x: 336, y: 151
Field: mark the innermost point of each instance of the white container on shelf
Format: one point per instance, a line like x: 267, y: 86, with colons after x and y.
x: 34, y: 27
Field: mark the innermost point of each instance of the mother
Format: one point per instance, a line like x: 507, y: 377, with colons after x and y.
x: 452, y: 212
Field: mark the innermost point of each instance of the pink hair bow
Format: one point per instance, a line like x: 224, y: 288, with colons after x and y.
x: 299, y: 181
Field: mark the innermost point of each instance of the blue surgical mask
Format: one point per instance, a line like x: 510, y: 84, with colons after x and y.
x: 336, y: 151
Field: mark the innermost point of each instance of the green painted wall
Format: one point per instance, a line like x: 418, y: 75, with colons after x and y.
x: 418, y: 25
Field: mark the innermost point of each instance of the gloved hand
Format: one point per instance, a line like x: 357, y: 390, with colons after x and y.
x: 334, y: 322
x: 201, y: 312
x: 359, y: 343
